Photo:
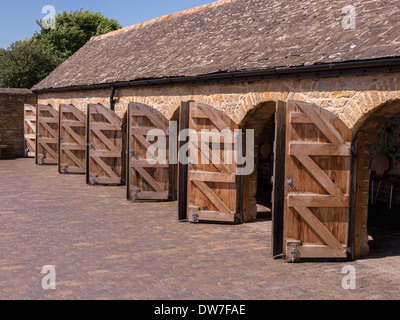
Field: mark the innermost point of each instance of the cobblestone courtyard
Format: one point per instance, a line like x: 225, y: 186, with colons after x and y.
x: 104, y: 247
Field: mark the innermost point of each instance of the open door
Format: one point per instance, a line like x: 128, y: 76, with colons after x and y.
x: 46, y: 135
x: 212, y: 184
x: 317, y: 183
x: 147, y: 181
x: 72, y: 158
x: 105, y: 147
x: 30, y: 130
x: 357, y: 205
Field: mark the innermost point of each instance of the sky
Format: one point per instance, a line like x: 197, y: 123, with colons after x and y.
x: 18, y: 17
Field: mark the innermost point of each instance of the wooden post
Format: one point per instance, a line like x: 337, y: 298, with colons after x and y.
x: 87, y: 141
x: 241, y: 188
x: 59, y: 138
x: 278, y: 196
x: 37, y: 134
x: 183, y: 169
x: 173, y: 157
x: 127, y: 152
x: 356, y: 210
x: 124, y: 146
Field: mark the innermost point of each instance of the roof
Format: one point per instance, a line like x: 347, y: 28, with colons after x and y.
x: 12, y: 91
x: 234, y: 35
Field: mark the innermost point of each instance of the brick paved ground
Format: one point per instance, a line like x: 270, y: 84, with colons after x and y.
x: 104, y: 247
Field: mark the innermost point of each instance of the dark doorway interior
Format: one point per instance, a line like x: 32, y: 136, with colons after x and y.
x: 258, y: 185
x: 384, y: 203
x: 384, y: 231
x: 265, y: 170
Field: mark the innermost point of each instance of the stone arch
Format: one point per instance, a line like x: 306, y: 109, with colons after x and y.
x: 364, y: 103
x: 257, y: 186
x: 370, y: 124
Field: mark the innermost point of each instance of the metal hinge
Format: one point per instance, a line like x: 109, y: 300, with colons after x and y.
x: 239, y: 217
x: 349, y: 251
x: 41, y: 159
x: 354, y: 148
x: 294, y: 253
x: 63, y: 168
x: 195, y: 216
x: 93, y: 179
x: 134, y: 194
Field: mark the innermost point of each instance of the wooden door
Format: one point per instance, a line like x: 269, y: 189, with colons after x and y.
x: 46, y: 135
x: 105, y: 138
x: 278, y: 192
x: 72, y: 158
x: 318, y: 183
x: 30, y: 130
x: 357, y: 195
x: 212, y: 189
x: 147, y: 180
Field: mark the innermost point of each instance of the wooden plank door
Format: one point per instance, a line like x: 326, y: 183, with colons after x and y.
x: 105, y: 138
x: 318, y: 183
x: 146, y: 180
x: 30, y: 130
x: 72, y: 158
x: 212, y: 189
x: 46, y: 135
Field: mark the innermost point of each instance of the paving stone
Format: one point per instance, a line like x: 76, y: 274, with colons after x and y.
x: 104, y: 247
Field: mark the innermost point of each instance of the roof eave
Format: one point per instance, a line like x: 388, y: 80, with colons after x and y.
x: 360, y: 67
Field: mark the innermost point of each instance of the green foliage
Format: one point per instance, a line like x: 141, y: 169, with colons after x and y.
x: 73, y: 30
x: 25, y: 63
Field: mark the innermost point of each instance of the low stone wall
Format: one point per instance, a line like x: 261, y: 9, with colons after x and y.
x: 12, y: 121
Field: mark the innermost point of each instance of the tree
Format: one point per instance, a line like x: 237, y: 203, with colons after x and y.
x: 25, y: 63
x: 73, y: 29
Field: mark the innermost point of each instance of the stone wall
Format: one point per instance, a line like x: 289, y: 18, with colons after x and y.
x: 352, y: 98
x: 12, y: 121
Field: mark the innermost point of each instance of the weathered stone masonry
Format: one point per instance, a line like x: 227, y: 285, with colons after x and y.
x: 12, y: 121
x: 352, y: 98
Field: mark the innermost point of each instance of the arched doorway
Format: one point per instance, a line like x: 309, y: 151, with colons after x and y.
x: 217, y: 191
x: 380, y: 227
x: 258, y: 186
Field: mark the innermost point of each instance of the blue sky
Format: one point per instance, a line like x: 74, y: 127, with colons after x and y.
x: 17, y: 17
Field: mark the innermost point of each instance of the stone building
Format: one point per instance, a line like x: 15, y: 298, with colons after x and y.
x: 242, y: 56
x: 12, y: 102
